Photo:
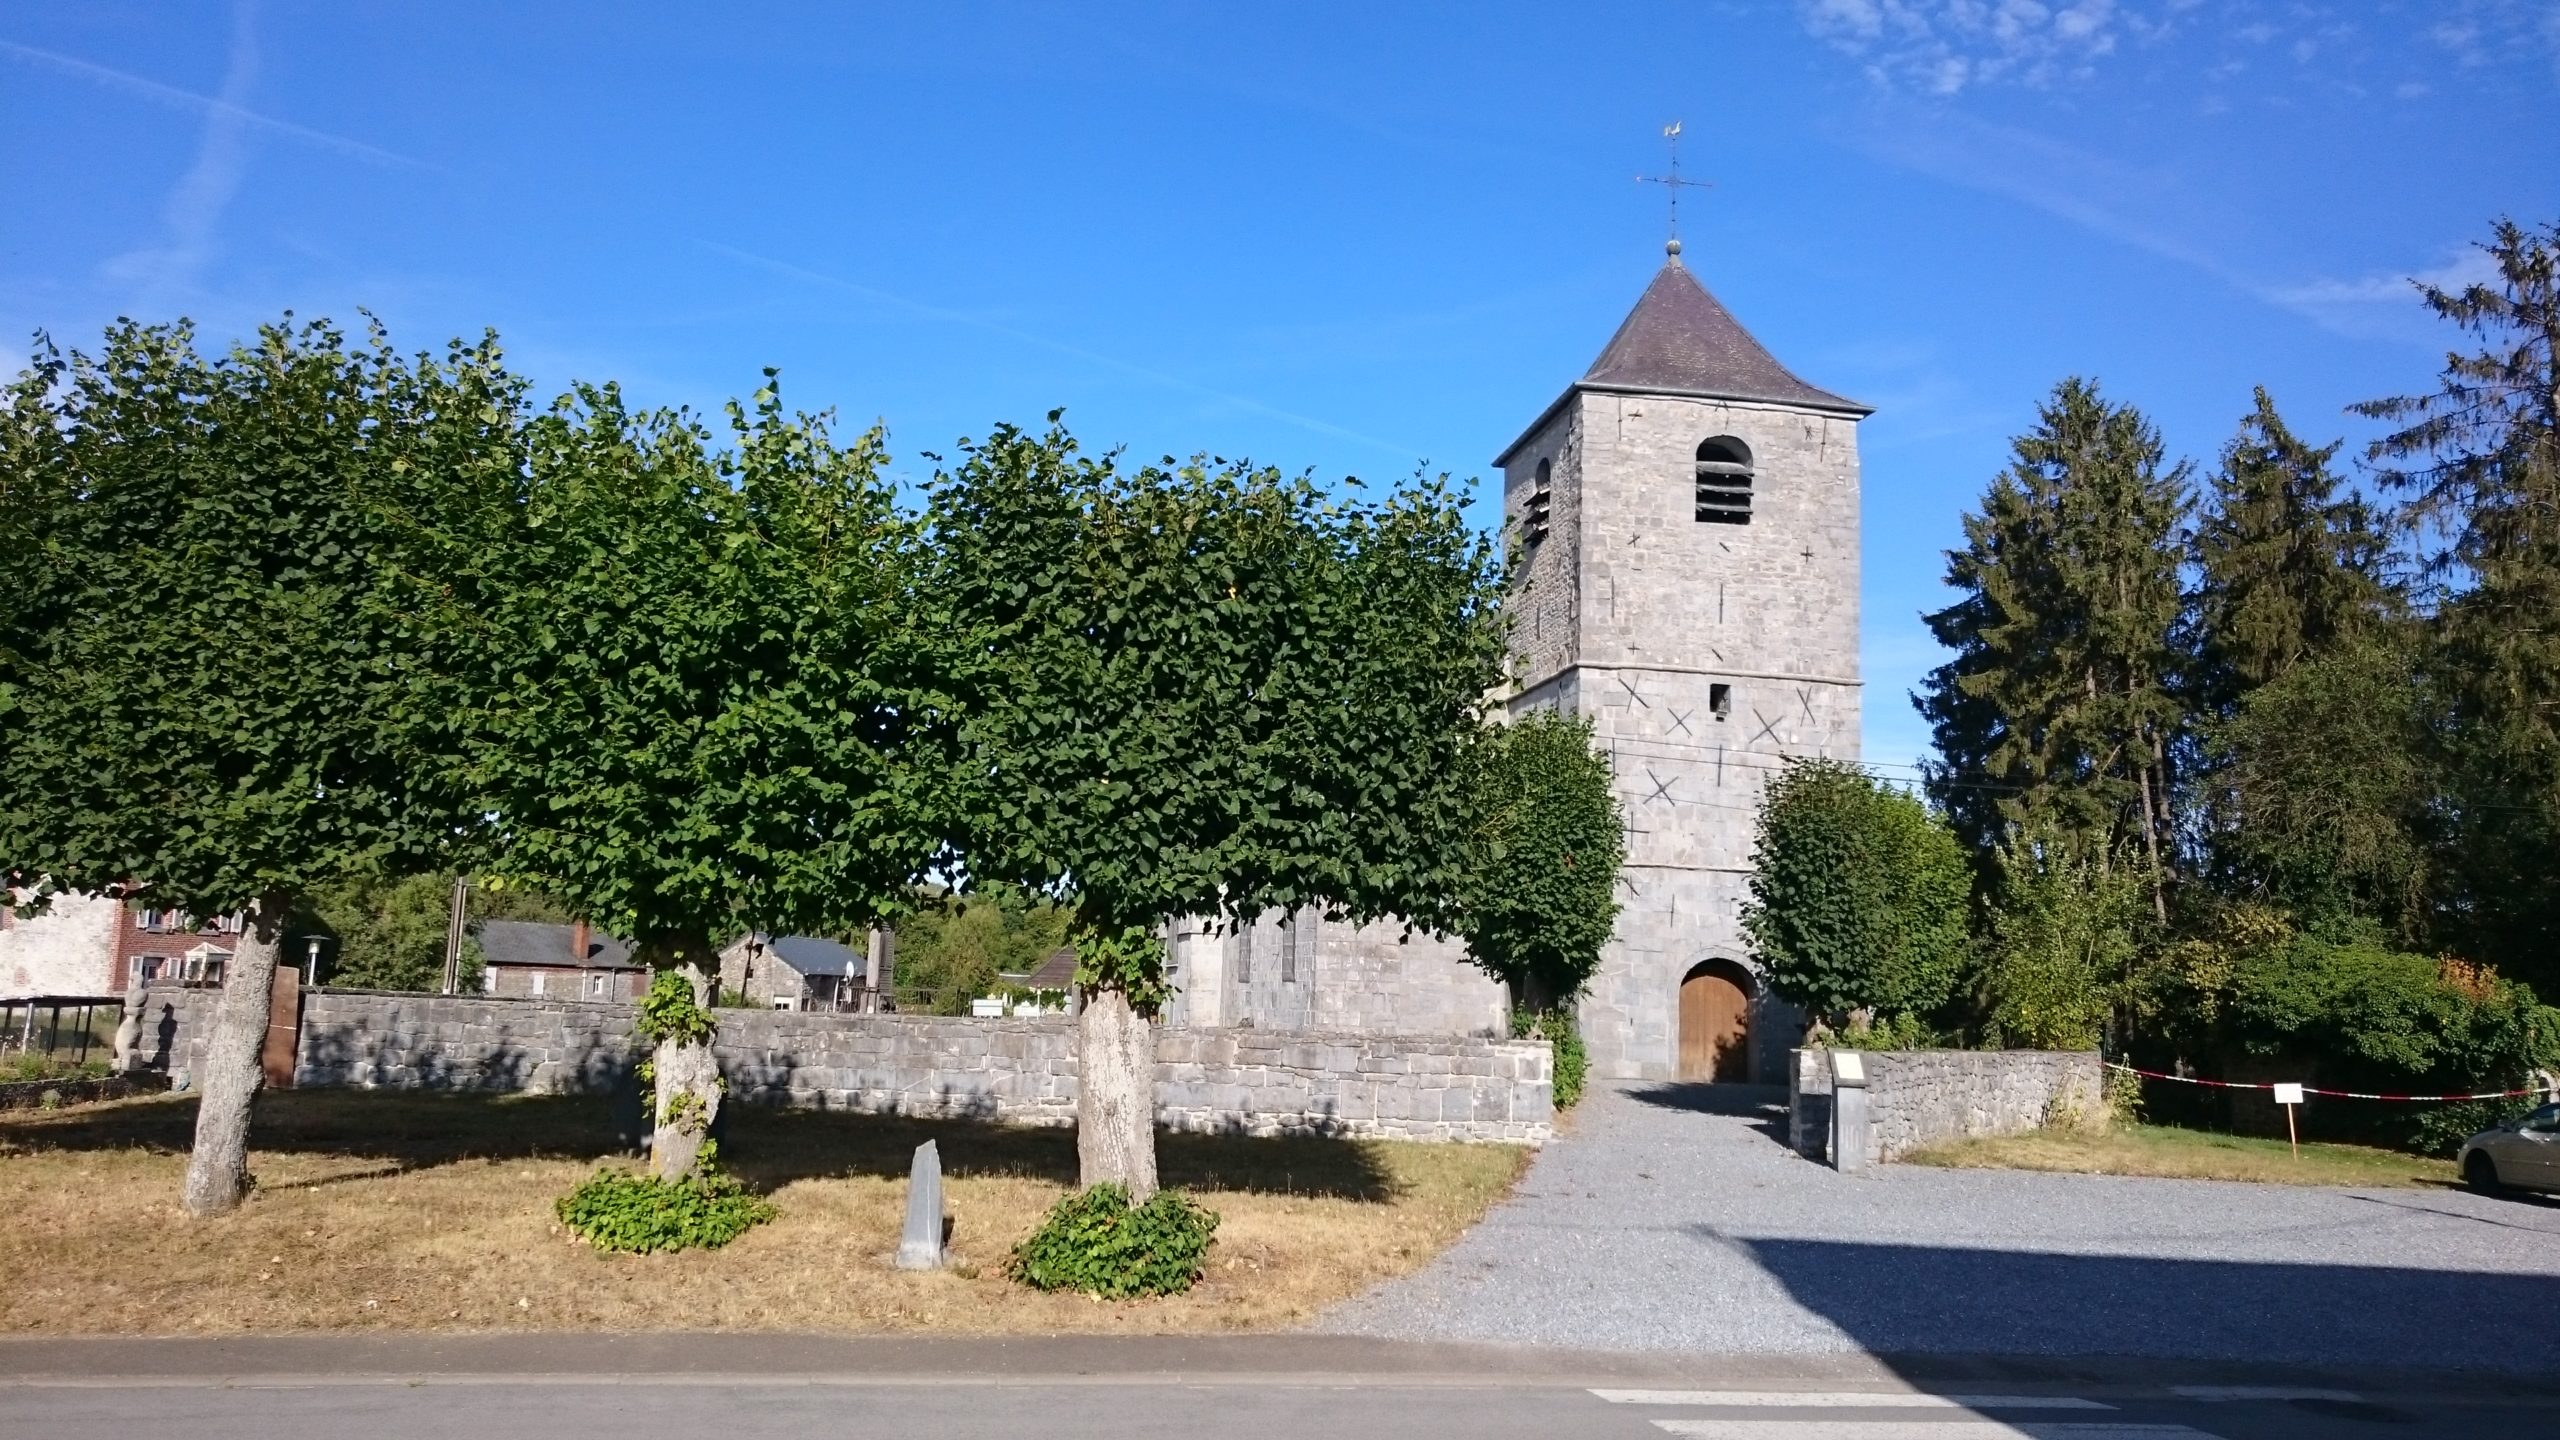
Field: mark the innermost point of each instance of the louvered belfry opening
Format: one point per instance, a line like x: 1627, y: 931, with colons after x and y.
x: 1724, y: 481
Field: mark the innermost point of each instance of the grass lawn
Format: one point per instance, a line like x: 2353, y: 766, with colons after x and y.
x: 413, y: 1212
x: 2189, y: 1155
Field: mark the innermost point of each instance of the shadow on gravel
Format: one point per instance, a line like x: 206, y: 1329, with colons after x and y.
x: 1766, y: 1105
x: 1922, y: 1300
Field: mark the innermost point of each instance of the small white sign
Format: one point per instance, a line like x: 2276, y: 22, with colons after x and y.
x: 1848, y: 1067
x: 2288, y: 1094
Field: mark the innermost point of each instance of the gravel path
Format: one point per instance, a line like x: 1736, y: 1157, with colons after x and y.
x: 1660, y: 1223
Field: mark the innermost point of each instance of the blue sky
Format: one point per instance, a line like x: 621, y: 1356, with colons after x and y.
x: 1351, y: 239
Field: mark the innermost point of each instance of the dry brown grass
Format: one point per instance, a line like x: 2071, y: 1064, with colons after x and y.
x: 408, y: 1212
x: 2189, y: 1155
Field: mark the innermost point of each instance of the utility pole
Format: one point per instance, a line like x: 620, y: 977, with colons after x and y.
x: 453, y: 932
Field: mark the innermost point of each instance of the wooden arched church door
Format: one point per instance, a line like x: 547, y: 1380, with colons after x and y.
x: 1715, y: 1022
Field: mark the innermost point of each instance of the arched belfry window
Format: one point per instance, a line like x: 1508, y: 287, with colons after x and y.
x: 1724, y: 481
x: 1539, y: 515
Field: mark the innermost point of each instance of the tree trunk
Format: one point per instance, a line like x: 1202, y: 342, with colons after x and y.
x: 218, y: 1168
x: 688, y: 1096
x: 1115, y: 1093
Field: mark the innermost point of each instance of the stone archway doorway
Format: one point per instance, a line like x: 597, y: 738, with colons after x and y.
x: 1715, y: 1021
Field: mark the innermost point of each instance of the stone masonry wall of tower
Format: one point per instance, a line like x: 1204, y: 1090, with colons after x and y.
x: 1633, y: 612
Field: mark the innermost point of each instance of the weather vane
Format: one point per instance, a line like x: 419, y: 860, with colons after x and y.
x: 1673, y: 183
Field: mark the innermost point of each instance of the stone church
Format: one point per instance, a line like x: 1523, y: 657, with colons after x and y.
x: 1686, y: 518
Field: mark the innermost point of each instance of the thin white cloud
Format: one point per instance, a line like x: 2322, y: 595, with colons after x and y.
x: 222, y: 107
x: 1078, y: 352
x: 2383, y: 305
x: 2142, y: 209
x: 1944, y: 46
x: 165, y: 275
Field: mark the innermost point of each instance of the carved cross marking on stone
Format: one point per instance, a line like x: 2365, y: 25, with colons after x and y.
x: 1633, y: 693
x: 1768, y: 730
x: 1680, y: 717
x: 1806, y: 552
x: 1804, y: 696
x: 1661, y: 788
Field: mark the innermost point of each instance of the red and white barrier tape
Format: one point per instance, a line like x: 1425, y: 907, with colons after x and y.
x: 2311, y: 1090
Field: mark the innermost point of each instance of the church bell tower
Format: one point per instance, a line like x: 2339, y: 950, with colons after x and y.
x: 1685, y: 518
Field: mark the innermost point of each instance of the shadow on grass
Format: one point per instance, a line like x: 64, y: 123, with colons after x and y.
x: 766, y: 1147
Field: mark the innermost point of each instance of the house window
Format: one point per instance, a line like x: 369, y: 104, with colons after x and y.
x: 1244, y: 953
x: 151, y: 967
x: 153, y: 919
x: 538, y: 981
x: 488, y: 979
x: 205, y: 969
x: 1538, y: 515
x: 1724, y: 481
x: 1720, y: 701
x: 1288, y: 949
x: 599, y: 985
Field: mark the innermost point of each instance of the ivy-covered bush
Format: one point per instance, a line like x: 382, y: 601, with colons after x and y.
x: 1095, y: 1241
x: 1572, y: 1061
x: 618, y: 1210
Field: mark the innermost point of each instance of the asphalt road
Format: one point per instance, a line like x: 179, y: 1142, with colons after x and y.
x: 1263, y: 1388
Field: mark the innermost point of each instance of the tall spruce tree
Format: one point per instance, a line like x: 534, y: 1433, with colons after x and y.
x: 2287, y: 567
x: 2293, y: 576
x: 2477, y: 462
x: 2060, y: 708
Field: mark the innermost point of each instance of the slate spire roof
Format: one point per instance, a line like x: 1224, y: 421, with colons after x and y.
x: 1680, y: 340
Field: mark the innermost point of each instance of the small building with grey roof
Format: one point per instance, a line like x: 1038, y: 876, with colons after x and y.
x: 559, y: 962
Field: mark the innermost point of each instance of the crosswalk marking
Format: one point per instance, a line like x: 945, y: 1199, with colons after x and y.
x: 2222, y: 1393
x: 1848, y: 1399
x: 1806, y: 1428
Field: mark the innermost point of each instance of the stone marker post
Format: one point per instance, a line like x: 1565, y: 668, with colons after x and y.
x: 920, y: 1248
x: 1849, y: 1142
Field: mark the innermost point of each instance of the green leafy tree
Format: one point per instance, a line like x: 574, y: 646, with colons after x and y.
x: 2326, y: 782
x: 693, y: 697
x: 1859, y: 897
x: 383, y: 932
x: 2066, y: 953
x: 202, y: 694
x: 2059, y: 708
x: 1542, y: 873
x: 2477, y: 465
x: 951, y: 947
x: 1201, y: 689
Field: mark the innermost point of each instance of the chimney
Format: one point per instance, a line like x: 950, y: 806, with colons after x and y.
x: 578, y: 943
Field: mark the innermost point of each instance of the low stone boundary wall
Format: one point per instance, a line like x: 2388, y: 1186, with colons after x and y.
x: 1239, y: 1081
x: 1918, y: 1098
x: 76, y: 1090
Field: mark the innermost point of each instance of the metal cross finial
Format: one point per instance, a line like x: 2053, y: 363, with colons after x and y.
x: 1673, y: 183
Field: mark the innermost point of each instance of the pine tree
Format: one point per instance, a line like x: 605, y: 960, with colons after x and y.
x: 2059, y: 708
x: 2288, y: 568
x: 2478, y: 462
x: 2295, y: 599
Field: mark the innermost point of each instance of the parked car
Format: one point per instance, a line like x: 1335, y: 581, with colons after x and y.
x: 2519, y: 1155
